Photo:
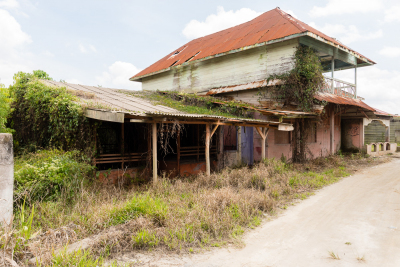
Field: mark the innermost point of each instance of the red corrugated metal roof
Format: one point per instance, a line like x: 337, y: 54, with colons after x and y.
x: 381, y: 112
x: 331, y: 98
x: 271, y: 25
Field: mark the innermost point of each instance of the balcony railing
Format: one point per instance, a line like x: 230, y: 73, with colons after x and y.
x: 339, y: 87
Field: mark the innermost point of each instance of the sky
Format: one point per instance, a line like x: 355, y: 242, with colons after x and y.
x: 98, y: 42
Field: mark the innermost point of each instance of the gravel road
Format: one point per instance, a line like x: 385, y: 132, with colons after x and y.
x: 357, y: 219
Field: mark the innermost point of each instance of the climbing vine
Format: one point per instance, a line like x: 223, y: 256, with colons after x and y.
x: 300, y: 84
x: 45, y: 116
x: 298, y: 88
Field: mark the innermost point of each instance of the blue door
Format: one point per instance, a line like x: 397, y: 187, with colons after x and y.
x: 247, y: 145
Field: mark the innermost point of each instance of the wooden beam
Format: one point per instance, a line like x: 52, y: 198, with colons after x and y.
x: 260, y: 132
x: 154, y: 137
x: 213, y: 131
x: 105, y: 115
x: 208, y: 170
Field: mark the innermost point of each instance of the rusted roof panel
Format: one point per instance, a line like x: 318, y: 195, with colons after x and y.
x: 271, y: 25
x: 331, y: 98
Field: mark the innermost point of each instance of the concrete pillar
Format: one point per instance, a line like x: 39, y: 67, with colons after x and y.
x: 6, y: 178
x: 332, y: 130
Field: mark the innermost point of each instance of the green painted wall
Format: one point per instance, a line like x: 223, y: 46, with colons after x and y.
x: 395, y: 130
x: 375, y: 132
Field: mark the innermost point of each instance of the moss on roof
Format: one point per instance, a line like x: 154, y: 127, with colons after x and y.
x: 194, y: 104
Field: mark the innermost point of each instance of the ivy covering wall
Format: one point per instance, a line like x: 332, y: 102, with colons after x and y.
x: 44, y: 116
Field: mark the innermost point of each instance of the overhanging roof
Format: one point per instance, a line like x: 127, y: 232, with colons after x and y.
x: 331, y: 98
x: 113, y: 105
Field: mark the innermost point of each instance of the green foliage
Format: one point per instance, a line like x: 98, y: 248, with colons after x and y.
x: 301, y: 83
x: 77, y: 258
x: 5, y: 107
x: 144, y: 205
x: 194, y: 104
x: 145, y: 239
x: 49, y: 174
x: 45, y: 116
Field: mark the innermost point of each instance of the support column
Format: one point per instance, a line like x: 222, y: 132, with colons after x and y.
x: 263, y: 132
x: 207, y: 152
x: 239, y: 145
x: 154, y: 137
x: 122, y: 144
x: 333, y: 74
x: 355, y: 80
x: 332, y: 130
x: 6, y: 178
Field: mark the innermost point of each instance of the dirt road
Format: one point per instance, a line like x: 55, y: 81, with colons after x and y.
x: 357, y: 219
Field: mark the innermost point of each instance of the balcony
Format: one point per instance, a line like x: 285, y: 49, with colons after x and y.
x: 339, y: 87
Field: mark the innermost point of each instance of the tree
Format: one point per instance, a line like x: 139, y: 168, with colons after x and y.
x: 5, y: 102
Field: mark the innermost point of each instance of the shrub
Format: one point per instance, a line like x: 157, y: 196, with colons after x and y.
x: 49, y: 174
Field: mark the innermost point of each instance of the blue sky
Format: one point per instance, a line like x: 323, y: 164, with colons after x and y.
x: 106, y: 42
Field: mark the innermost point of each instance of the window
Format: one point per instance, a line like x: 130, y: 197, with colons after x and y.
x: 230, y: 138
x: 282, y: 137
x: 312, y: 134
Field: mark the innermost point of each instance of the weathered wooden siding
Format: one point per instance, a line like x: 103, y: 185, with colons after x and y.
x: 375, y: 132
x: 234, y: 69
x: 395, y: 130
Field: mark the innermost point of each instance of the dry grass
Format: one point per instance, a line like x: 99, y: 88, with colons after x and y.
x: 183, y: 215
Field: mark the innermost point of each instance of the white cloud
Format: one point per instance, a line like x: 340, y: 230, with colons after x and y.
x: 118, y: 75
x: 290, y: 12
x: 217, y: 22
x: 340, y: 7
x: 392, y: 14
x: 9, y: 4
x: 346, y: 33
x: 379, y: 87
x: 13, y: 53
x: 82, y: 49
x: 390, y: 51
x: 85, y: 49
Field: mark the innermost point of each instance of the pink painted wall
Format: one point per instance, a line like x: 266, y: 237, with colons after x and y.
x: 321, y: 148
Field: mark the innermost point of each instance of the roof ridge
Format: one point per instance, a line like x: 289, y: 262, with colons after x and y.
x: 291, y: 19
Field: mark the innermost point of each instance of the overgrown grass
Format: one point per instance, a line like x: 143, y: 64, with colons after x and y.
x: 180, y: 214
x: 48, y: 174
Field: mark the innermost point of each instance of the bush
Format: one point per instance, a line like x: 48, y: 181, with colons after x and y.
x: 5, y: 101
x: 49, y: 174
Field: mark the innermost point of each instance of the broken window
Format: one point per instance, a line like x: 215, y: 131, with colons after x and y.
x: 282, y: 137
x: 230, y: 138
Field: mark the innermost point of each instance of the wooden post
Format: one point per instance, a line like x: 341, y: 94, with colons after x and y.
x: 179, y: 152
x: 332, y: 128
x: 263, y: 132
x: 355, y: 81
x: 122, y: 144
x: 239, y: 145
x: 154, y: 136
x: 333, y: 75
x: 208, y: 170
x: 198, y: 143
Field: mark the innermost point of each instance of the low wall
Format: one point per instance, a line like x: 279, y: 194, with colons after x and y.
x: 380, y: 148
x: 6, y: 178
x: 114, y: 176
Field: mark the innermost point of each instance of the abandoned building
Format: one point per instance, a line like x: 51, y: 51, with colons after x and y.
x: 235, y: 64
